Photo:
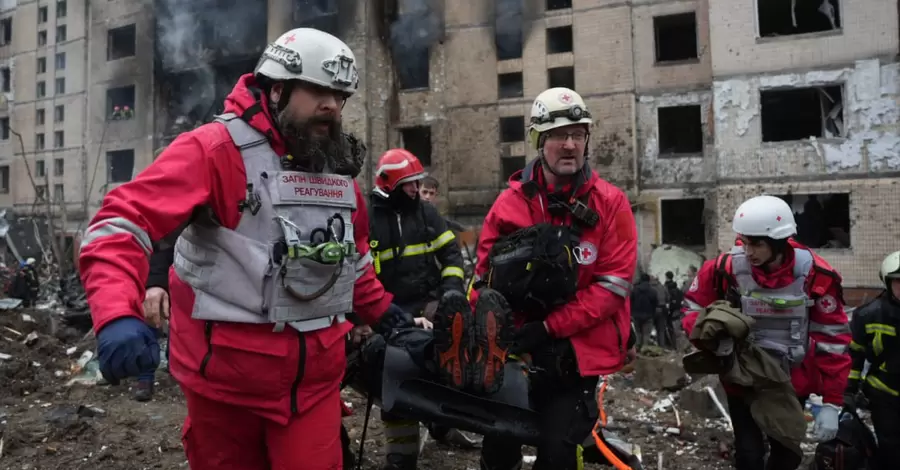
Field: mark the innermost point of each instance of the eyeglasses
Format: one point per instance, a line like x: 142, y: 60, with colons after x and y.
x: 562, y: 136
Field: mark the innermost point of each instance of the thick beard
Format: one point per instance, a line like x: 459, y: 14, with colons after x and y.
x: 310, y: 153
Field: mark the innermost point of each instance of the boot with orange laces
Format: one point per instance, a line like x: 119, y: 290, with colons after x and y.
x: 453, y: 333
x: 493, y: 336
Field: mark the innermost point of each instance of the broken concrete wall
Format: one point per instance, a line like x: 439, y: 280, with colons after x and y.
x: 871, y: 125
x: 867, y: 29
x: 660, y: 171
x: 873, y: 221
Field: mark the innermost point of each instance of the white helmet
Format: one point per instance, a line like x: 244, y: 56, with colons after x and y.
x: 890, y: 268
x: 765, y: 216
x: 312, y: 56
x: 553, y: 108
x: 30, y: 261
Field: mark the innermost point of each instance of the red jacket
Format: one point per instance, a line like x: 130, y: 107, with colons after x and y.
x: 826, y: 367
x: 598, y: 320
x: 255, y: 367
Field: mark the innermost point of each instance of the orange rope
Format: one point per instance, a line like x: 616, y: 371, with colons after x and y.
x: 601, y: 445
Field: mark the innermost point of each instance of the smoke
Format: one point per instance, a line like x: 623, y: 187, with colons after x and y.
x: 419, y: 27
x: 512, y: 21
x: 202, y: 44
x: 336, y: 17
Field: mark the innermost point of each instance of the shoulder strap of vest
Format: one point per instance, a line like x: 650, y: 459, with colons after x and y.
x: 721, y: 275
x: 243, y: 134
x: 823, y: 278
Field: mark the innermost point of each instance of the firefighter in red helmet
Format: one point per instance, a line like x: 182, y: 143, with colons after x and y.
x: 418, y: 260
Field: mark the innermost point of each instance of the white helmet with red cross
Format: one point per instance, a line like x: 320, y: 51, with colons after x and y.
x: 553, y: 108
x: 312, y: 56
x: 765, y: 216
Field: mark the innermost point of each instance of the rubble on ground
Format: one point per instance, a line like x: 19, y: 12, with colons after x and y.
x: 57, y: 412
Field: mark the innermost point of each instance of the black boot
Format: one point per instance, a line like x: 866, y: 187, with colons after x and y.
x: 401, y: 462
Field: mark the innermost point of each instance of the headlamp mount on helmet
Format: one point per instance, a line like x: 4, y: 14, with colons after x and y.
x: 574, y: 113
x: 288, y: 58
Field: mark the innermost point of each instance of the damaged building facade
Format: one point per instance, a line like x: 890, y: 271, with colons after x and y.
x: 90, y: 91
x: 796, y: 102
x: 699, y: 105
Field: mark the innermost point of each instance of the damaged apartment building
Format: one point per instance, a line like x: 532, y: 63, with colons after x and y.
x: 797, y: 99
x: 698, y: 105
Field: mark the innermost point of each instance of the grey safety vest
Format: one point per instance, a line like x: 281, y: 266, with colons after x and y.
x: 277, y: 266
x: 781, y: 315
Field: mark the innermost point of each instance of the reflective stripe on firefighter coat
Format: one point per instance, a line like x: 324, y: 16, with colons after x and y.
x: 781, y: 315
x: 291, y: 259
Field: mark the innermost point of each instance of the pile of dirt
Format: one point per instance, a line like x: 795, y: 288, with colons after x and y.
x: 48, y: 422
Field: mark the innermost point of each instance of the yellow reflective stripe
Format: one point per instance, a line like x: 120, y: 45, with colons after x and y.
x: 854, y: 375
x: 443, y: 239
x: 419, y: 248
x: 471, y: 287
x: 879, y: 329
x: 879, y: 385
x: 856, y: 346
x: 874, y: 328
x: 452, y: 271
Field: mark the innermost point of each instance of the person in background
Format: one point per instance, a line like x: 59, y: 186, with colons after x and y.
x: 429, y: 191
x: 874, y: 329
x: 644, y: 300
x: 661, y: 314
x: 675, y: 297
x: 26, y: 283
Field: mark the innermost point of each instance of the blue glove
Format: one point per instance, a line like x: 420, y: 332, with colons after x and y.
x: 126, y: 347
x: 827, y: 422
x: 394, y: 318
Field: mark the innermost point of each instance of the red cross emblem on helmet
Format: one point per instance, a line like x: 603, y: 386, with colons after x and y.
x: 395, y: 168
x: 565, y: 98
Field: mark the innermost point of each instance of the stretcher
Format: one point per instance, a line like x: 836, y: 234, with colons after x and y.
x: 407, y: 389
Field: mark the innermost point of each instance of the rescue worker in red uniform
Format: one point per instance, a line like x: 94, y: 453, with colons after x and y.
x: 272, y: 257
x: 810, y: 336
x: 587, y: 334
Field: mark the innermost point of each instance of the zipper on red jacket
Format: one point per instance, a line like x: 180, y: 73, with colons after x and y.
x: 301, y: 367
x: 209, y: 348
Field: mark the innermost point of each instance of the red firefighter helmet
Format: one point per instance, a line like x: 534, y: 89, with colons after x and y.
x: 395, y: 168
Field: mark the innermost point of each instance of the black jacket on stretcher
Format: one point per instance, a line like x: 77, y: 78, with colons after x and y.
x: 416, y: 257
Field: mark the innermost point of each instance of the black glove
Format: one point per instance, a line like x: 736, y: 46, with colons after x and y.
x: 855, y: 400
x: 394, y: 318
x: 529, y: 337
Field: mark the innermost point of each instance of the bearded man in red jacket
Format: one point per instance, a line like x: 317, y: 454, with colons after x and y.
x: 272, y: 257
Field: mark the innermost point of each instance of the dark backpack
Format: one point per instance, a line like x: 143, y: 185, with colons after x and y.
x: 534, y: 269
x: 853, y: 448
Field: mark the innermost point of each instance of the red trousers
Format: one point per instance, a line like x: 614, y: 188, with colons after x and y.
x: 218, y: 436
